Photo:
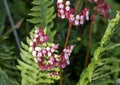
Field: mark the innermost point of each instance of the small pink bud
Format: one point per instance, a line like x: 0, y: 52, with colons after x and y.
x: 49, y: 53
x: 76, y: 22
x: 39, y: 54
x: 61, y: 6
x: 62, y: 11
x: 77, y: 17
x: 68, y: 62
x: 81, y: 22
x: 52, y: 50
x: 87, y: 17
x: 62, y: 16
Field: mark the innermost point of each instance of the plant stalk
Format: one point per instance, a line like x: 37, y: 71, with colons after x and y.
x: 64, y: 2
x: 89, y: 42
x: 67, y: 38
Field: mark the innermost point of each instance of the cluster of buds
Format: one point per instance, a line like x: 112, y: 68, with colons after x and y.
x: 38, y: 39
x: 65, y: 12
x: 64, y: 56
x: 45, y: 54
x: 101, y: 7
x: 52, y: 74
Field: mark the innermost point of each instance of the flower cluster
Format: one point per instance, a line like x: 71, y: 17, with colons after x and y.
x: 38, y: 39
x: 65, y: 12
x: 101, y: 7
x: 52, y: 74
x: 45, y: 54
x: 64, y: 57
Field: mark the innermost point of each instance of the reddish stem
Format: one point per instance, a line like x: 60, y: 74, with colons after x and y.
x: 64, y: 2
x: 67, y: 38
x: 88, y: 48
x: 68, y: 35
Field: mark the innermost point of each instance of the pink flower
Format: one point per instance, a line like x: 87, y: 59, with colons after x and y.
x: 66, y: 12
x: 101, y: 7
x: 46, y: 55
x: 64, y: 56
x: 53, y: 74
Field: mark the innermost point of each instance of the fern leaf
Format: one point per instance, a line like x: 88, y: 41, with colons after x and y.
x: 43, y: 15
x: 30, y: 72
x: 86, y: 76
x: 42, y: 12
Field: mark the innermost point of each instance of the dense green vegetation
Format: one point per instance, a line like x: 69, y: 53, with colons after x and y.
x: 17, y: 66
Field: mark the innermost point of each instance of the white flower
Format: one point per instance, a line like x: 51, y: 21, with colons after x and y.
x: 81, y: 22
x: 67, y: 8
x: 87, y: 17
x: 67, y: 3
x: 64, y: 50
x: 39, y: 54
x: 34, y: 53
x: 36, y: 31
x: 37, y: 48
x: 59, y: 1
x: 76, y: 22
x: 51, y: 62
x: 77, y: 17
x: 31, y: 43
x: 62, y: 16
x: 36, y: 35
x: 48, y: 48
x: 68, y: 62
x: 62, y: 11
x: 87, y: 13
x: 66, y: 56
x: 44, y: 51
x: 81, y: 17
x: 71, y: 47
x: 35, y: 59
x: 34, y: 40
x: 30, y: 49
x: 52, y: 50
x: 95, y: 0
x: 49, y: 53
x: 72, y: 18
x: 61, y: 6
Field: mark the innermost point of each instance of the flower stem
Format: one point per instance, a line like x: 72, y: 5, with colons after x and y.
x: 88, y: 48
x: 64, y: 2
x: 70, y: 25
x: 68, y: 35
x: 76, y: 9
x: 67, y: 38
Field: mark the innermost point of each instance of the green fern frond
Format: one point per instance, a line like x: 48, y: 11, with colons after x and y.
x: 43, y: 15
x: 87, y: 74
x: 30, y: 72
x: 43, y: 12
x: 7, y: 64
x: 4, y: 79
x: 103, y: 72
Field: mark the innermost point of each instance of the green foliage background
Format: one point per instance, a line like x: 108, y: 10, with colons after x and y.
x: 105, y: 73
